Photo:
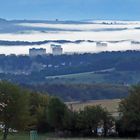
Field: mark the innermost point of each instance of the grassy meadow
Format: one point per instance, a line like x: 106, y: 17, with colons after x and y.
x: 24, y: 137
x: 115, y: 77
x: 45, y: 137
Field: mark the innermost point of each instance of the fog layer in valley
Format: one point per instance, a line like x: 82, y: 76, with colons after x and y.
x: 120, y: 32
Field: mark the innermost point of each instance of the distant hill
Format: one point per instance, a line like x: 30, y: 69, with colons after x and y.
x: 77, y: 77
x: 3, y: 20
x: 44, y: 21
x: 82, y: 92
x: 13, y: 26
x: 50, y: 21
x: 106, y: 67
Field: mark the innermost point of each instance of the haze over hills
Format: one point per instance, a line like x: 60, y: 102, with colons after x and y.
x: 67, y: 69
x: 72, y: 71
x: 74, y: 36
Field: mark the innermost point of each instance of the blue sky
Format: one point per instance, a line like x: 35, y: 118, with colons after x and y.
x: 70, y: 9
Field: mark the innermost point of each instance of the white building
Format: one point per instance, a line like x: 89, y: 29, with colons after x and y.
x: 101, y: 44
x: 35, y: 52
x: 56, y: 49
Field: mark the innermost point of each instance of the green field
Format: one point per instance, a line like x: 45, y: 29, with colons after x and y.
x: 44, y: 137
x: 24, y: 137
x: 87, y: 77
x: 114, y: 77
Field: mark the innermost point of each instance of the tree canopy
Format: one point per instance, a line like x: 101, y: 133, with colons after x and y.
x: 129, y: 123
x: 14, y: 103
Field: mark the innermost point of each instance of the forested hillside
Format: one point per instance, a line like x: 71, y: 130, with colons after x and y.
x: 106, y: 75
x: 82, y: 92
x: 107, y: 67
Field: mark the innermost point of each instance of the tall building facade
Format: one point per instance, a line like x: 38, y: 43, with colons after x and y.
x: 36, y: 52
x: 56, y: 49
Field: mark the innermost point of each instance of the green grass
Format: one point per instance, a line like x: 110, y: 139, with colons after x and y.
x: 129, y: 77
x: 87, y: 77
x: 45, y: 137
x: 25, y: 136
x: 17, y: 137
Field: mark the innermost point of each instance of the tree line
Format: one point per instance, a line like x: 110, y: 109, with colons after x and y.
x: 22, y: 110
x: 82, y: 92
x: 35, y: 70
